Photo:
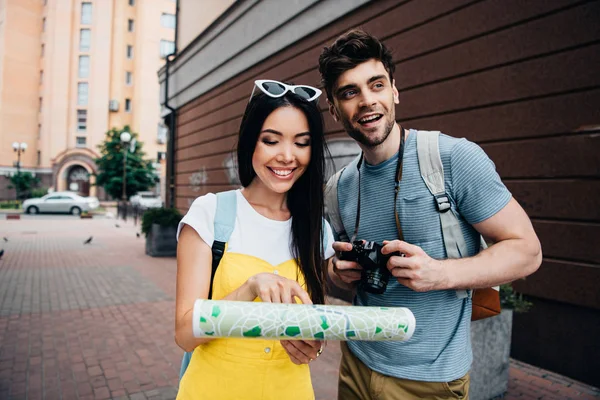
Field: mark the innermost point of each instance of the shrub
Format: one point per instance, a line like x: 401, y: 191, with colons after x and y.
x: 511, y: 299
x: 167, y: 217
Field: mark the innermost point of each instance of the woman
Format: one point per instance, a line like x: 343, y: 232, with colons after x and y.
x: 275, y: 252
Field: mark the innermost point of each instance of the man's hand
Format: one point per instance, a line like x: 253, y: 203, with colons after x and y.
x: 347, y: 271
x: 415, y: 269
x: 303, y: 351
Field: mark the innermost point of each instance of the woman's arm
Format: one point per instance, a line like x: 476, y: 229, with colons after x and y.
x: 194, y: 267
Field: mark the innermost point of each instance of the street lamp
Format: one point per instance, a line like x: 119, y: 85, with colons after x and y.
x: 125, y: 139
x: 19, y: 148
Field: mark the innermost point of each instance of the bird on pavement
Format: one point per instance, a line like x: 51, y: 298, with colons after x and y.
x: 5, y: 239
x: 137, y: 234
x: 117, y: 225
x: 1, y: 253
x: 89, y: 240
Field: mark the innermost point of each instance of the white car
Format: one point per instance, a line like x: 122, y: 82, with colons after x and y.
x: 60, y: 202
x: 146, y: 200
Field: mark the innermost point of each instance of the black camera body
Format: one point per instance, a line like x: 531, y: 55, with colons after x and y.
x: 375, y: 275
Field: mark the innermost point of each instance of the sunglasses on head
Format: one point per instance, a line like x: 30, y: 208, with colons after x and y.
x: 278, y: 89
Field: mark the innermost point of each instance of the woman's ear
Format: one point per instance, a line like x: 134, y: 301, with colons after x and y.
x: 333, y: 111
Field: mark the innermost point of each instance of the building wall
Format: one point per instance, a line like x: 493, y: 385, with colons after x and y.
x: 516, y: 77
x: 195, y: 16
x: 52, y: 130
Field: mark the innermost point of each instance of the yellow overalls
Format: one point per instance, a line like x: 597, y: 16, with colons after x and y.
x: 245, y: 369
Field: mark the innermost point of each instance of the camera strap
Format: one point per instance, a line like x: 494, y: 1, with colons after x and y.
x: 397, y: 180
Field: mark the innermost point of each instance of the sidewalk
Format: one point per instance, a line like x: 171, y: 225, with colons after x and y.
x: 96, y: 321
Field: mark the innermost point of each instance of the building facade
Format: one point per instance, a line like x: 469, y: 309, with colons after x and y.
x: 70, y: 70
x: 516, y: 77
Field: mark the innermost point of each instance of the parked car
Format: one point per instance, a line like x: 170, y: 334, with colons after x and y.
x: 146, y: 200
x: 60, y: 202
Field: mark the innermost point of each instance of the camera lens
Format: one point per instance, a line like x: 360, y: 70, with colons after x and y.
x: 375, y: 280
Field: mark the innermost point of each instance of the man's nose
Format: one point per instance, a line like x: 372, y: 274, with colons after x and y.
x: 367, y: 99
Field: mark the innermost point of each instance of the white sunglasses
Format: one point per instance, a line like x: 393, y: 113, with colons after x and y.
x: 277, y: 89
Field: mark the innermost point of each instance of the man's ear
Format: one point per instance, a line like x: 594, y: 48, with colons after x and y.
x: 395, y: 92
x: 333, y: 111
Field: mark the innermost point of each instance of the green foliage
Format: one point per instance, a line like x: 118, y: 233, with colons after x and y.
x: 8, y: 204
x: 511, y: 299
x: 24, y: 182
x: 162, y: 216
x: 140, y: 173
x: 39, y: 192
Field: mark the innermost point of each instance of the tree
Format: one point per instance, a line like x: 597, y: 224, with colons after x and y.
x: 23, y: 182
x: 140, y: 174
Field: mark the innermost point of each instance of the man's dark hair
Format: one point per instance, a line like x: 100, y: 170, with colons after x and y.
x: 349, y: 50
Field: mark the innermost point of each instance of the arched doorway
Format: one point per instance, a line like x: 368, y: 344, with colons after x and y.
x: 78, y: 180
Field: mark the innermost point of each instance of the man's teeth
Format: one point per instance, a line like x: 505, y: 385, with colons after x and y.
x: 369, y: 118
x: 284, y: 172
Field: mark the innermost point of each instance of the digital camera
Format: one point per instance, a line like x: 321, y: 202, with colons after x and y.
x: 375, y: 275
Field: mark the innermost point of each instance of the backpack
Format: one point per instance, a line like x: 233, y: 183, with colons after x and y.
x: 485, y: 302
x: 223, y: 227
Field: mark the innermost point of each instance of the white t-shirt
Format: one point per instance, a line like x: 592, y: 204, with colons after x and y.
x: 253, y: 234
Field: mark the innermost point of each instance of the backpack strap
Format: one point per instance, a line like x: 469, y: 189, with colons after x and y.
x: 332, y: 206
x: 223, y: 227
x: 432, y: 172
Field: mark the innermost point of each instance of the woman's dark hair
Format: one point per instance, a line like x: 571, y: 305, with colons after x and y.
x: 305, y: 198
x: 349, y: 50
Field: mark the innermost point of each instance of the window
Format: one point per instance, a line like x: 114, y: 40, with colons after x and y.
x: 84, y: 66
x: 81, y: 120
x: 161, y: 136
x: 132, y: 2
x: 129, y: 51
x: 161, y: 155
x: 42, y: 50
x: 84, y: 39
x: 41, y: 104
x: 86, y: 13
x: 43, y: 24
x: 39, y: 157
x: 166, y: 47
x: 130, y: 26
x: 41, y: 77
x: 80, y: 141
x: 167, y: 20
x: 39, y: 131
x: 128, y: 78
x: 82, y: 93
x: 127, y: 105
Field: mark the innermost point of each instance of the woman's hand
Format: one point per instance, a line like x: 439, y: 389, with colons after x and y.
x: 271, y: 288
x: 303, y: 351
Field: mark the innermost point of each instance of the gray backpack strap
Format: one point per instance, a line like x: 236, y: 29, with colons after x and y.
x: 432, y: 172
x: 332, y: 206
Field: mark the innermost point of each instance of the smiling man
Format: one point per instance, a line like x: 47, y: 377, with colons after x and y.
x: 358, y: 75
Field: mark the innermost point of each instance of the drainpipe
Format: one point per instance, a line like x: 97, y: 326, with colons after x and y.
x: 171, y: 141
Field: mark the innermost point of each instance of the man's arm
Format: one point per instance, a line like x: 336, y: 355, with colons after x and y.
x: 516, y: 253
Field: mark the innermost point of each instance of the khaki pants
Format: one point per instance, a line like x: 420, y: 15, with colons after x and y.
x: 357, y: 381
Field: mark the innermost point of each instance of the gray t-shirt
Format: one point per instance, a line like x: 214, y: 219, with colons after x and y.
x: 440, y: 349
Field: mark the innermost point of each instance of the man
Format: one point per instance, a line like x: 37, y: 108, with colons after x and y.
x: 357, y: 74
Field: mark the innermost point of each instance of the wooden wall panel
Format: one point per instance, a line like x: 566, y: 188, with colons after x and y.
x: 564, y: 281
x: 565, y: 199
x: 574, y: 241
x: 523, y: 119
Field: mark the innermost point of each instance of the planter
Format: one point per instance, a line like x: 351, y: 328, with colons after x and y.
x: 13, y: 216
x: 490, y: 340
x: 85, y: 216
x: 161, y: 241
